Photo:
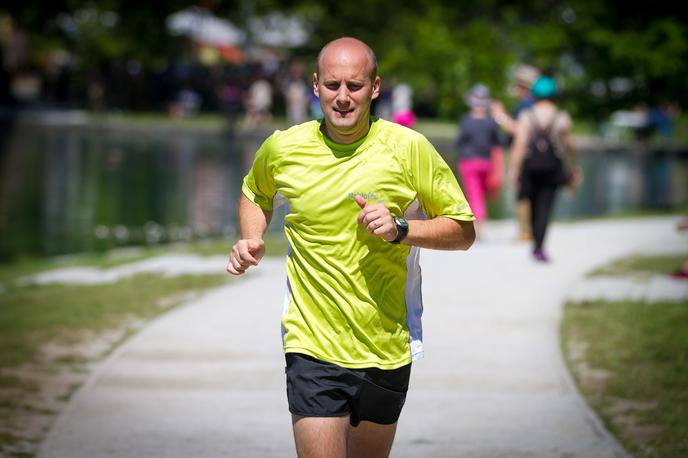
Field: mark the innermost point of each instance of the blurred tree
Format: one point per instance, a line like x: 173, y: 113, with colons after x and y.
x: 607, y: 55
x: 610, y: 54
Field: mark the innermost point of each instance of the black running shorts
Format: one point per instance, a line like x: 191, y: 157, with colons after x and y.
x: 317, y: 388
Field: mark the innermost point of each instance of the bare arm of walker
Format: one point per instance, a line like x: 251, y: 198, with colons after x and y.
x: 249, y: 250
x: 502, y: 118
x: 518, y: 151
x: 441, y: 233
x: 572, y: 161
x: 570, y: 149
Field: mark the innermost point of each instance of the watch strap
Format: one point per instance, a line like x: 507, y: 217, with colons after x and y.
x: 402, y: 229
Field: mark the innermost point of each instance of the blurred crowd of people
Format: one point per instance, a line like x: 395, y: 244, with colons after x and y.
x: 249, y: 92
x: 249, y: 89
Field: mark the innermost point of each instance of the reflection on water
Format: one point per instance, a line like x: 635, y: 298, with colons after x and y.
x: 81, y: 186
x: 74, y: 188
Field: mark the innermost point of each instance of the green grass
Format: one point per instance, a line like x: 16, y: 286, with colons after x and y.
x: 215, y: 121
x: 641, y: 266
x: 275, y: 245
x: 435, y: 128
x: 644, y: 347
x: 641, y: 350
x: 681, y: 129
x: 71, y: 315
x: 32, y: 316
x: 200, y: 122
x: 428, y: 126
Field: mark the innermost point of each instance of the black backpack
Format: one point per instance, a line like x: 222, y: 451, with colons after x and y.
x: 542, y: 155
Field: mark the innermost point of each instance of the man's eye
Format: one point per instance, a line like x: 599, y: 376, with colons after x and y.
x: 354, y: 87
x: 332, y: 87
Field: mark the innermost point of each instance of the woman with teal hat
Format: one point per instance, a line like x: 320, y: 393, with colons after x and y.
x: 544, y: 88
x: 543, y: 158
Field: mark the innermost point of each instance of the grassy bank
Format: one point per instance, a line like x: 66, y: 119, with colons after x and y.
x: 641, y: 266
x: 630, y: 361
x: 51, y: 335
x: 35, y: 315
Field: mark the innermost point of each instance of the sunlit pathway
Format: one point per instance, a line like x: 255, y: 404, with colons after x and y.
x: 207, y: 379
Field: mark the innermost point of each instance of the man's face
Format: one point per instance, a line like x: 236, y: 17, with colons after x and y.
x: 345, y: 90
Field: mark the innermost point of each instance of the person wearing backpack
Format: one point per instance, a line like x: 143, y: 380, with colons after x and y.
x: 543, y: 158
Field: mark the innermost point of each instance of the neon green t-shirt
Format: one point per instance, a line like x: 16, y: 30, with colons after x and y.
x: 353, y: 299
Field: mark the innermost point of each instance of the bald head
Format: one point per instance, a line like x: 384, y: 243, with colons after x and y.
x: 348, y: 46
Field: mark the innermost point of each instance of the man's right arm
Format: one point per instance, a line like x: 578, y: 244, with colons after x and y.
x: 248, y: 251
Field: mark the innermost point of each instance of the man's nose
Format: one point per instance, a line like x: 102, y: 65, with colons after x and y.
x: 343, y: 95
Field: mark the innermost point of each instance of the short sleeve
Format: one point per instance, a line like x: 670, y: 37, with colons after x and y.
x: 438, y: 191
x: 259, y: 183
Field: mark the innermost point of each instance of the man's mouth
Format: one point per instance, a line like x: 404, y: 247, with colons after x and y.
x: 343, y: 113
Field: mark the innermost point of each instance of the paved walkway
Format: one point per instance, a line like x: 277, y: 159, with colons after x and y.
x: 207, y: 380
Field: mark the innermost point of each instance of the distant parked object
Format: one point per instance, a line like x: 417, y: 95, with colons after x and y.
x: 644, y: 121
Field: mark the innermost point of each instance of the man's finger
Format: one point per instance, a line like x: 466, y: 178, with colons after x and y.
x: 360, y: 201
x: 244, y: 252
x: 246, y: 257
x: 381, y: 230
x: 232, y: 269
x: 238, y: 265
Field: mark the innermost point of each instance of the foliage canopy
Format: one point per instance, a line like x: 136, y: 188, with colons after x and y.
x: 606, y: 55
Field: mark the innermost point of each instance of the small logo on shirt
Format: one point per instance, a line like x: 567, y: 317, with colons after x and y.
x: 460, y: 208
x: 365, y: 195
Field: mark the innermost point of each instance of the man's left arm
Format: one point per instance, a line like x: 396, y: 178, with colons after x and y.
x: 439, y: 233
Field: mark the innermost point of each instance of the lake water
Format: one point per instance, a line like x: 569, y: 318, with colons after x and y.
x: 69, y: 185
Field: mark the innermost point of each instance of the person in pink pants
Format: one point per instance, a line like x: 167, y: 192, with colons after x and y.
x: 480, y: 151
x: 474, y: 174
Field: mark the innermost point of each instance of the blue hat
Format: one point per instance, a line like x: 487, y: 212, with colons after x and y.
x: 544, y: 88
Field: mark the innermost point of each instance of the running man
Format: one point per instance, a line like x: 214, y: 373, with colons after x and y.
x: 363, y: 196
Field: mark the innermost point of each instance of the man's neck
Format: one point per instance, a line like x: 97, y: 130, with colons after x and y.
x: 345, y: 139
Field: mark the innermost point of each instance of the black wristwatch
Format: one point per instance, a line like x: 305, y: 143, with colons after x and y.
x: 402, y: 229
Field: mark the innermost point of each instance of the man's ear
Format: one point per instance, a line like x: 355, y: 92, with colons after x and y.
x: 315, y: 85
x: 376, y: 88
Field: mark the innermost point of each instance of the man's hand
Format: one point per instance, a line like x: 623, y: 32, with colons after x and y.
x: 245, y: 253
x: 377, y: 219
